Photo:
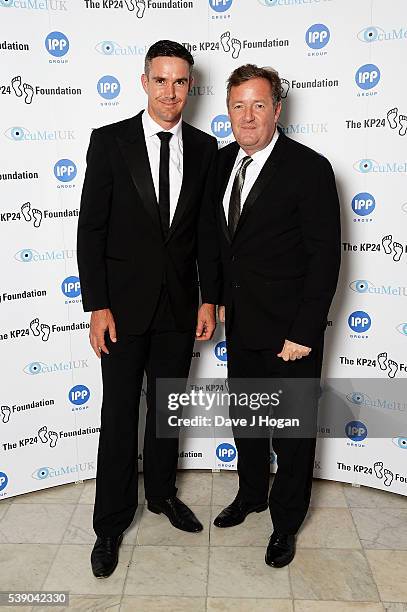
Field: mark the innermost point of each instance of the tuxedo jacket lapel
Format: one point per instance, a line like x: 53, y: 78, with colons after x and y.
x: 266, y: 176
x: 134, y: 150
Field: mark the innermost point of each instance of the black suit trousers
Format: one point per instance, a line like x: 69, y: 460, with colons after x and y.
x: 291, y: 489
x: 161, y: 352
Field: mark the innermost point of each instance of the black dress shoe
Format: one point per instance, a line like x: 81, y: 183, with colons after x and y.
x: 177, y: 512
x: 280, y: 549
x: 236, y: 513
x: 105, y: 555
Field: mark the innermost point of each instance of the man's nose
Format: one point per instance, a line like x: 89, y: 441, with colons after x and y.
x: 170, y: 92
x: 248, y: 115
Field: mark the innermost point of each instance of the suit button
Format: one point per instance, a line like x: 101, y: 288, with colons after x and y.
x: 233, y: 258
x: 235, y: 285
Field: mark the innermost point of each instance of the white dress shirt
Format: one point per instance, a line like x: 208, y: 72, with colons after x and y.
x: 153, y: 143
x: 252, y: 172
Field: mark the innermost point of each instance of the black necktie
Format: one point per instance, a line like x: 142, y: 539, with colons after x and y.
x: 164, y: 183
x: 236, y: 195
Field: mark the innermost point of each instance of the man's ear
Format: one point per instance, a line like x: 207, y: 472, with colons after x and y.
x: 144, y: 82
x: 277, y: 111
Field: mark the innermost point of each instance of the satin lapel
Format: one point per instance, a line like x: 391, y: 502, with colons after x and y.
x: 225, y: 173
x: 266, y: 176
x: 188, y: 174
x: 134, y: 150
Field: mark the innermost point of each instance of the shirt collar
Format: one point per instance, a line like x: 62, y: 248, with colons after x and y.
x: 260, y: 157
x: 151, y: 127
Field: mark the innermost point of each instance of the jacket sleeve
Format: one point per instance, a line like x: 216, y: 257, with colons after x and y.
x: 209, y: 261
x: 320, y: 224
x: 93, y: 225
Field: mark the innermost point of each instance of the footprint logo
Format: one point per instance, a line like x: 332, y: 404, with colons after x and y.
x: 42, y: 434
x: 37, y: 214
x: 141, y: 7
x: 388, y: 477
x: 386, y: 243
x: 378, y: 469
x: 26, y: 211
x: 16, y: 85
x: 285, y: 87
x: 382, y: 360
x: 397, y: 251
x: 29, y: 93
x: 391, y: 118
x: 236, y: 46
x: 45, y: 331
x: 35, y: 327
x: 393, y: 368
x: 403, y: 125
x: 225, y: 41
x: 53, y: 438
x: 6, y: 413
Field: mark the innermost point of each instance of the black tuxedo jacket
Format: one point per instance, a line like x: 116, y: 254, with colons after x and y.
x: 281, y: 268
x: 123, y: 259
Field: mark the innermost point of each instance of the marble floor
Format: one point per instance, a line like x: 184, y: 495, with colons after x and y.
x: 351, y: 555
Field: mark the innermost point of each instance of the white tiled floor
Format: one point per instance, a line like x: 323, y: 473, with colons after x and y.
x: 351, y: 557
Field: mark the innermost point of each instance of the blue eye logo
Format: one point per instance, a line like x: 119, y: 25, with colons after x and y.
x: 41, y: 473
x: 3, y: 480
x: 220, y: 6
x: 16, y: 133
x: 367, y: 76
x: 359, y: 321
x: 221, y: 351
x: 65, y: 170
x: 6, y: 3
x: 57, y: 44
x: 361, y: 286
x: 79, y: 394
x: 106, y: 47
x: 363, y: 203
x: 26, y: 255
x: 268, y: 2
x: 226, y: 452
x: 317, y: 36
x: 371, y: 34
x: 356, y: 431
x: 400, y: 442
x: 34, y: 368
x: 357, y: 398
x: 364, y: 165
x: 404, y: 207
x: 108, y: 87
x: 402, y: 329
x: 221, y: 126
x: 71, y: 287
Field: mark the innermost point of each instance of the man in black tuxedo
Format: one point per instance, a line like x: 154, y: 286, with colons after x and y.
x: 142, y: 230
x: 279, y: 227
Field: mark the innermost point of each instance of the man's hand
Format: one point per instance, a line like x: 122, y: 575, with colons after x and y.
x: 292, y: 351
x: 221, y: 314
x: 100, y: 321
x: 206, y: 322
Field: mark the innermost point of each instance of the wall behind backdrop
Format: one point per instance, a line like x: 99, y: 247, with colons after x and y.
x: 68, y: 66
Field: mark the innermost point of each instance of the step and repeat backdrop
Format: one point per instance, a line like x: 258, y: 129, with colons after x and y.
x: 68, y: 66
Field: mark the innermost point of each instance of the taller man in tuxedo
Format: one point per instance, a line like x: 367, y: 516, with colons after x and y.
x: 142, y: 230
x: 279, y: 229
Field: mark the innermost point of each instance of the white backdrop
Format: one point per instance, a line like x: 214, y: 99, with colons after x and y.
x: 68, y: 66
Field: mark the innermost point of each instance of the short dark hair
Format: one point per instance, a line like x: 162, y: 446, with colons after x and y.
x: 251, y: 71
x: 167, y: 48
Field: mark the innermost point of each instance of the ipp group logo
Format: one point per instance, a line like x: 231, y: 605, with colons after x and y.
x: 221, y: 127
x: 363, y: 204
x: 221, y: 352
x: 356, y: 431
x: 226, y: 452
x: 220, y: 8
x: 71, y: 288
x: 110, y: 47
x: 359, y: 322
x: 79, y: 395
x: 65, y: 171
x: 57, y: 45
x: 317, y: 37
x: 3, y: 480
x: 367, y: 78
x: 108, y: 88
x: 373, y: 34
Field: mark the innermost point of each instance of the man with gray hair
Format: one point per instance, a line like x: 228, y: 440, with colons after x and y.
x: 279, y: 229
